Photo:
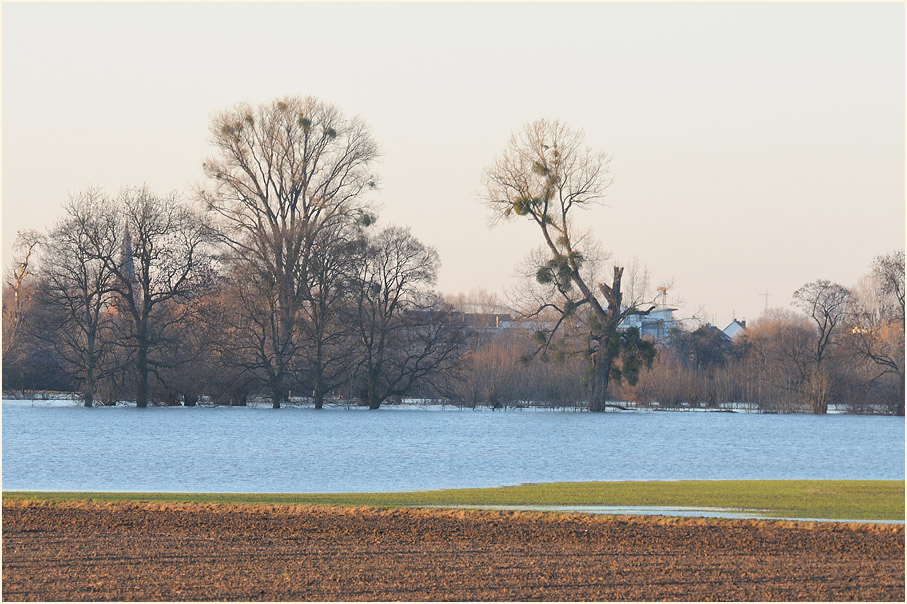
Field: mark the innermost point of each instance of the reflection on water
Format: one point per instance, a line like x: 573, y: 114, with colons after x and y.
x: 235, y: 449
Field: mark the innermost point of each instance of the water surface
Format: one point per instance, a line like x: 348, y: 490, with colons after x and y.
x: 237, y: 449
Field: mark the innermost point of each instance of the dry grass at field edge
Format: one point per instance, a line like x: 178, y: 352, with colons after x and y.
x: 415, y: 512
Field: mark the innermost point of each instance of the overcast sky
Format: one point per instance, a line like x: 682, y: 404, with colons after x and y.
x: 755, y: 146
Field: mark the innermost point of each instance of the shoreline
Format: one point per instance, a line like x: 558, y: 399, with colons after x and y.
x: 841, y: 500
x: 68, y: 400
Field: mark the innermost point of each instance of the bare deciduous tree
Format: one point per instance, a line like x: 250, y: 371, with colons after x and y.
x: 780, y: 346
x: 327, y: 349
x: 224, y: 317
x: 405, y: 334
x: 164, y: 263
x: 888, y: 271
x: 17, y: 299
x: 877, y: 333
x: 76, y: 285
x: 283, y: 171
x: 826, y: 304
x: 544, y: 175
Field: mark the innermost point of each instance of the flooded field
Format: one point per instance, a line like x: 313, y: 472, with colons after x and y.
x: 62, y: 446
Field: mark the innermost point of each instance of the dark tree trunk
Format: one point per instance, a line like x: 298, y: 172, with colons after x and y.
x: 90, y: 370
x: 900, y: 407
x: 374, y: 401
x: 141, y: 376
x: 89, y: 386
x: 820, y: 405
x: 603, y: 357
x: 285, y: 335
x: 601, y: 377
x: 319, y: 391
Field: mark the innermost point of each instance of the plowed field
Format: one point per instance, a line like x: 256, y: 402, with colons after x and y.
x: 92, y: 551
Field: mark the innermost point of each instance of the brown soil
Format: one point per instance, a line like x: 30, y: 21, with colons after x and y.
x: 92, y: 551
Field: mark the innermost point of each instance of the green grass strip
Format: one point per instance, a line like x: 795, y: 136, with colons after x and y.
x: 825, y: 499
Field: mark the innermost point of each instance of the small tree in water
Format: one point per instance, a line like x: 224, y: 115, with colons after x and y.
x: 826, y: 304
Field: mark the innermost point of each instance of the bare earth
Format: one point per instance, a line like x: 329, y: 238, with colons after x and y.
x: 93, y: 551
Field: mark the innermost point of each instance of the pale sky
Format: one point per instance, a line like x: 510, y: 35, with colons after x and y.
x: 755, y: 147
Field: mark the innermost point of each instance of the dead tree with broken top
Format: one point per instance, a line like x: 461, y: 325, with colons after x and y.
x: 545, y: 174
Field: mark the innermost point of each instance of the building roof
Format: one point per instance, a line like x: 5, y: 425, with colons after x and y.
x: 735, y: 328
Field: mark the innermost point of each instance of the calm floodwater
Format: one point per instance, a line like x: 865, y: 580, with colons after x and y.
x: 66, y: 447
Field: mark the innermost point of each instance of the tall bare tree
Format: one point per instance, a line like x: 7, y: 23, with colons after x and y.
x: 405, y: 333
x: 283, y: 171
x: 877, y: 333
x: 826, y: 304
x: 164, y: 263
x: 545, y: 175
x: 327, y: 351
x: 77, y: 281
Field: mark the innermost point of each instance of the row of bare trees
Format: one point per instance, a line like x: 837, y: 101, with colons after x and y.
x: 277, y: 283
x: 845, y: 347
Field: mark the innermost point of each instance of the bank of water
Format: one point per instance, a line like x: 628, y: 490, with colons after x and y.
x: 65, y: 447
x: 644, y: 510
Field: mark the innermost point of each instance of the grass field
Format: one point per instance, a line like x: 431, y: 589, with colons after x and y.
x: 826, y: 499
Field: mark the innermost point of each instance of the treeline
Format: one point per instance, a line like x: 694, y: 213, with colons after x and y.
x: 274, y: 280
x: 848, y: 351
x: 838, y: 346
x: 846, y: 348
x: 157, y: 313
x: 278, y: 282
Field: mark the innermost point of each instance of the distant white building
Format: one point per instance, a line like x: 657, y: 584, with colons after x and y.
x: 735, y: 329
x: 656, y: 325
